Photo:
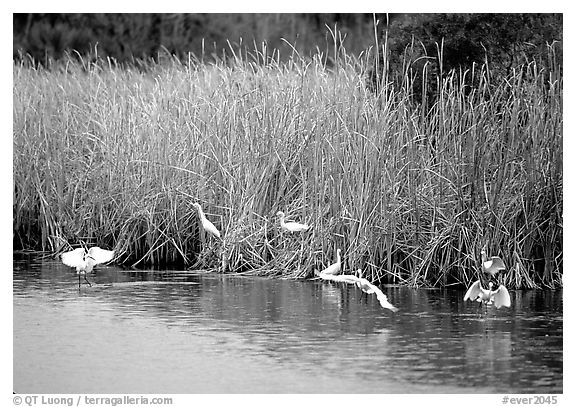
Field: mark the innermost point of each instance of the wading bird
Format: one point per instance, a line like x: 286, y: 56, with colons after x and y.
x: 334, y: 268
x: 369, y: 288
x: 291, y: 226
x: 499, y: 297
x: 84, y: 260
x: 491, y: 265
x: 206, y: 224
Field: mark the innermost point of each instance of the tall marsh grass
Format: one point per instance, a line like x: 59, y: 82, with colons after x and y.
x: 116, y: 156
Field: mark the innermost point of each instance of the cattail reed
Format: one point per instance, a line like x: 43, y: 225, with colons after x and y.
x: 410, y: 192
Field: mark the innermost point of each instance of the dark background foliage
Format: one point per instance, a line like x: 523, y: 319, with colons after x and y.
x: 127, y: 36
x: 440, y: 43
x: 505, y: 40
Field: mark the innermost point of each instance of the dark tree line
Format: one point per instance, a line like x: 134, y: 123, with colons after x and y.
x: 444, y: 42
x: 467, y: 37
x: 128, y: 36
x: 439, y: 42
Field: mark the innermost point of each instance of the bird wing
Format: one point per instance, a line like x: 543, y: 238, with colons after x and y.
x: 325, y: 276
x: 473, y: 292
x: 385, y: 304
x: 493, y: 265
x: 346, y: 278
x: 501, y: 297
x: 100, y: 255
x: 342, y: 278
x: 498, y: 263
x: 296, y: 227
x: 383, y: 299
x: 210, y: 228
x: 370, y: 288
x: 366, y: 286
x: 332, y: 269
x: 74, y: 258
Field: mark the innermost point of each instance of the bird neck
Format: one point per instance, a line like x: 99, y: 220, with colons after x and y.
x: 484, y: 256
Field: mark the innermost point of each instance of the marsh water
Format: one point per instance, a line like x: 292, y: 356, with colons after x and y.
x: 185, y: 332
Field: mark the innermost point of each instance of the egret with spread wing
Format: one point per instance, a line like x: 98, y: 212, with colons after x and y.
x: 499, y: 297
x: 369, y: 288
x: 85, y: 260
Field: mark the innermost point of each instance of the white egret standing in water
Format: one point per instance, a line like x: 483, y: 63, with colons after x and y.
x: 369, y: 288
x: 499, y: 297
x: 84, y: 260
x: 334, y: 268
x: 206, y: 224
x: 291, y: 226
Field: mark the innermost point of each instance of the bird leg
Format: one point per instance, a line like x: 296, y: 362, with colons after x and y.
x: 87, y: 280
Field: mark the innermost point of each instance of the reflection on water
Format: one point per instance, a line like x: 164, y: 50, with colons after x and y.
x: 181, y: 332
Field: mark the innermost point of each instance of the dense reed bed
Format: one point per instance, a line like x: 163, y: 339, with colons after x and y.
x: 116, y: 156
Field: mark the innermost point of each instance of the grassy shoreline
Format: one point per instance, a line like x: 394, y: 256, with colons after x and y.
x: 117, y: 156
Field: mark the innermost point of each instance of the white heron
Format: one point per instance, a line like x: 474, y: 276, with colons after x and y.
x: 206, y: 224
x: 291, y: 226
x: 499, y: 297
x: 85, y: 260
x: 334, y: 268
x: 491, y: 265
x: 369, y: 288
